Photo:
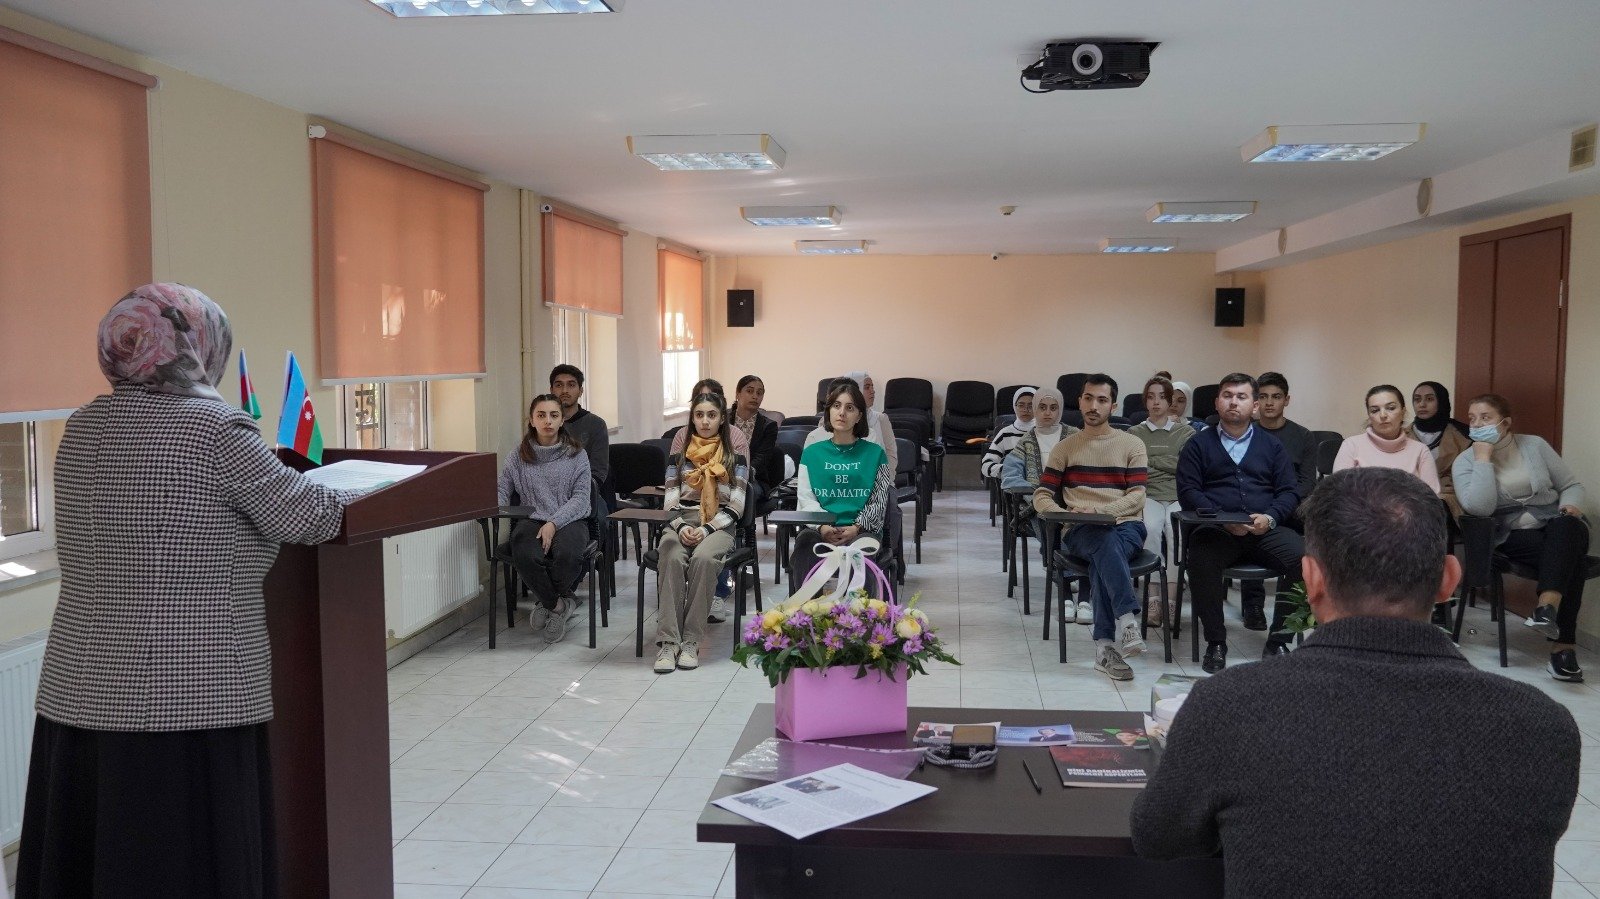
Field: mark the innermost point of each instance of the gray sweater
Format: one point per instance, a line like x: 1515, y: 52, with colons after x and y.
x: 1373, y: 761
x: 556, y: 487
x: 1478, y: 486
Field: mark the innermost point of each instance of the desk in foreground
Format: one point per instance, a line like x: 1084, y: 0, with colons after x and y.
x: 986, y: 832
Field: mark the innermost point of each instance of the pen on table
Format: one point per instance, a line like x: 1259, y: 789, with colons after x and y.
x: 1036, y: 787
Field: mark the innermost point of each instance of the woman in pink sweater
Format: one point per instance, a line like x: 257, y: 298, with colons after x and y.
x: 1384, y: 444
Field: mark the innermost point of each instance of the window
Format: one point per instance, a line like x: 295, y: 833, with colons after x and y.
x: 26, y: 504
x: 572, y: 338
x: 385, y: 415
x: 679, y: 371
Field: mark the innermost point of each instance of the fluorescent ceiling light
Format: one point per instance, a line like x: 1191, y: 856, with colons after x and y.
x: 1137, y: 245
x: 1329, y: 143
x: 1200, y: 212
x: 708, y: 152
x: 409, y: 9
x: 831, y: 247
x: 790, y: 216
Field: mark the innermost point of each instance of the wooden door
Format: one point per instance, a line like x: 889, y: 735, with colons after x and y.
x: 1511, y: 324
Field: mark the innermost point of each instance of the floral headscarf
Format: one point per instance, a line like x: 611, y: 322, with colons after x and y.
x: 167, y: 337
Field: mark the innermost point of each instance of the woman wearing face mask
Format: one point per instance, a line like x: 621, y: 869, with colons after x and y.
x: 1444, y: 437
x: 846, y: 475
x: 1533, y: 497
x: 1005, y: 439
x: 706, y: 486
x: 1163, y: 435
x: 1384, y: 443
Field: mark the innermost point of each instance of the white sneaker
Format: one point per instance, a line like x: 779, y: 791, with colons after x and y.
x: 555, y: 627
x: 1128, y: 636
x: 667, y: 658
x: 1109, y: 662
x: 1085, y: 613
x: 689, y: 656
x: 1069, y: 612
x: 719, y: 610
x: 538, y: 616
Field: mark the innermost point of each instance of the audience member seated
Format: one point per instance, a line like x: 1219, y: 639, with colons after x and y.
x: 1534, y: 499
x: 847, y: 476
x: 761, y: 436
x: 1005, y: 439
x: 1384, y: 443
x: 1237, y: 467
x: 1444, y: 437
x: 1024, y: 466
x: 740, y: 440
x: 589, y: 429
x: 1180, y: 405
x: 1102, y: 470
x: 549, y: 473
x: 1163, y: 436
x: 880, y: 429
x: 706, y: 486
x: 1376, y: 761
x: 1272, y: 401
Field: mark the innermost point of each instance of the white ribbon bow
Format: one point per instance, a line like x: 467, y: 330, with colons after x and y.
x: 849, y: 563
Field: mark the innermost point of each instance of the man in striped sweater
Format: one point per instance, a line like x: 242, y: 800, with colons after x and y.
x: 1101, y: 469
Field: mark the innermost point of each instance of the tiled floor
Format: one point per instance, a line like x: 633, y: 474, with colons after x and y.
x: 545, y: 771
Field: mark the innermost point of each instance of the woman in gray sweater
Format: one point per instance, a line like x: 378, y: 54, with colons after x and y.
x: 548, y: 474
x: 1534, y: 500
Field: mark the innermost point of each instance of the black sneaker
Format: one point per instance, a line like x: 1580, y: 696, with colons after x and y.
x: 1564, y: 666
x: 1255, y: 619
x: 1275, y: 648
x: 1216, y: 658
x: 1544, y: 618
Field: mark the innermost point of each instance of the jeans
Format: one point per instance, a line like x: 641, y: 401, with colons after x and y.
x: 685, y: 579
x: 1557, y: 551
x: 1212, y: 549
x: 553, y: 573
x: 1107, y: 549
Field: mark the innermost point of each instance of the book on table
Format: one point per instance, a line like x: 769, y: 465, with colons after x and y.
x: 1102, y: 766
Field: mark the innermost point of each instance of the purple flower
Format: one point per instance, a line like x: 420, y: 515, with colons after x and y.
x: 799, y: 620
x: 777, y: 641
x: 883, y: 635
x: 752, y: 631
x: 833, y: 639
x: 839, y: 610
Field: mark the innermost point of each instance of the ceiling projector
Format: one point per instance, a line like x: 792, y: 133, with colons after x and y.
x: 1090, y: 64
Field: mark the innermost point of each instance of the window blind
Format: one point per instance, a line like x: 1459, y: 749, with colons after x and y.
x: 679, y: 284
x: 582, y: 262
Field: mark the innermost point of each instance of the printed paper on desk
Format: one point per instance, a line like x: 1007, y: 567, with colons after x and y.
x: 821, y: 800
x: 361, y: 474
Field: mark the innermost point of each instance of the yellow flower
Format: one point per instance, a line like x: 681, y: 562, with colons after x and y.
x: 918, y: 614
x: 772, y: 620
x: 908, y: 627
x: 877, y: 651
x: 878, y: 604
x: 813, y: 608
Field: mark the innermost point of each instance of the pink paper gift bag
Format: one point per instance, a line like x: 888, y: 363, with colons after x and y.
x: 817, y: 705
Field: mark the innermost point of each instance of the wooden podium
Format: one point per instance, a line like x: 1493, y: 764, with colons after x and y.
x: 330, y: 729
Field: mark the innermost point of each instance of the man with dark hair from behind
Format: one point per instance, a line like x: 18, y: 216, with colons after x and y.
x: 1376, y: 760
x: 1272, y: 401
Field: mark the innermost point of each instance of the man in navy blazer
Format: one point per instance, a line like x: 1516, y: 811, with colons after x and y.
x: 1237, y: 467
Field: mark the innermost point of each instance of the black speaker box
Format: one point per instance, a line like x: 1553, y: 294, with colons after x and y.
x: 1230, y: 307
x: 741, y: 309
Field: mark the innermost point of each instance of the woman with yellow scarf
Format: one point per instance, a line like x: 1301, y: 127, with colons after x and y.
x: 706, y: 486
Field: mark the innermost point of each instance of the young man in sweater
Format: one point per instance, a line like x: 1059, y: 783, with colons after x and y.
x: 1101, y: 469
x: 1376, y: 760
x: 1237, y: 467
x: 566, y: 382
x: 1272, y: 401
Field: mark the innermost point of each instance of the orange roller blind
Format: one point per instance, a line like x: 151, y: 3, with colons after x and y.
x: 582, y: 264
x: 399, y: 270
x: 74, y: 221
x: 678, y: 279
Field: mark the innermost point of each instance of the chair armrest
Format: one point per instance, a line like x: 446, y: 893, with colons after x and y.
x: 1477, y: 544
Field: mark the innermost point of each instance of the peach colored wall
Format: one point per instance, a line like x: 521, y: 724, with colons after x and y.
x: 1018, y: 320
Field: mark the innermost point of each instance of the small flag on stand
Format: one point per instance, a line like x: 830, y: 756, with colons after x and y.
x: 247, y: 391
x: 297, y: 424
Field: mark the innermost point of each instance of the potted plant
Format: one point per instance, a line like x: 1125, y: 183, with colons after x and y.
x: 839, y: 666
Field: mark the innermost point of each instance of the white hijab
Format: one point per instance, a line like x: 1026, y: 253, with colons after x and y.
x: 1023, y: 426
x: 874, y: 425
x: 1047, y: 439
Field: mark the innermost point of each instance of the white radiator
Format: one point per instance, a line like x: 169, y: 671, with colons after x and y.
x: 427, y: 575
x: 19, y: 684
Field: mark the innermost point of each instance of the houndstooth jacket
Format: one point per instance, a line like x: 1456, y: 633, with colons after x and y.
x: 169, y: 511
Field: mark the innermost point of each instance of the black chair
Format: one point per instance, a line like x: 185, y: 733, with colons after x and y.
x: 1204, y: 400
x: 1003, y: 398
x: 671, y: 433
x: 1327, y: 452
x: 1017, y: 527
x: 1072, y: 417
x: 1071, y: 387
x: 907, y: 489
x: 968, y: 414
x: 822, y: 392
x: 1133, y: 404
x: 791, y: 444
x: 1001, y: 421
x: 1484, y: 569
x: 799, y: 421
x: 776, y: 416
x: 501, y: 567
x: 1120, y: 423
x: 635, y: 465
x: 908, y: 393
x: 1069, y: 569
x: 1183, y: 524
x: 1137, y: 417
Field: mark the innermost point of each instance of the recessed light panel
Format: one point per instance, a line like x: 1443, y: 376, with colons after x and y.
x: 708, y: 152
x: 1329, y: 143
x: 1199, y: 212
x: 1137, y: 245
x: 790, y: 216
x: 414, y: 9
x: 831, y: 247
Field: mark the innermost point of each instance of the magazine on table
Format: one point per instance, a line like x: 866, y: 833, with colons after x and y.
x: 1124, y: 737
x: 822, y: 800
x: 1030, y: 735
x: 1102, y: 766
x: 935, y: 733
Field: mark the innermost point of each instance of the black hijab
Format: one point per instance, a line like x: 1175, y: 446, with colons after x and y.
x: 1440, y: 419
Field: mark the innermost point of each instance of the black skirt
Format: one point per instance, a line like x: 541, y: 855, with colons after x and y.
x: 171, y: 814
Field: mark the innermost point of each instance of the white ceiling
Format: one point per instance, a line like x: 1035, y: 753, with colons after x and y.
x: 906, y: 115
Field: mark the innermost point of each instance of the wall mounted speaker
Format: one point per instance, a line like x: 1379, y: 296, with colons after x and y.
x: 741, y: 309
x: 1230, y: 307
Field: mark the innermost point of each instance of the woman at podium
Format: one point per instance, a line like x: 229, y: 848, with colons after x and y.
x: 149, y: 774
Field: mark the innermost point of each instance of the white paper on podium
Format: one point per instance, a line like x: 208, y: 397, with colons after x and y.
x: 362, y: 475
x: 802, y: 806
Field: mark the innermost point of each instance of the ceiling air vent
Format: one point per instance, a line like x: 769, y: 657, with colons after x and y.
x: 1583, y: 141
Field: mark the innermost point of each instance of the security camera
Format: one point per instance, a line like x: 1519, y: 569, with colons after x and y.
x: 547, y: 208
x: 995, y: 256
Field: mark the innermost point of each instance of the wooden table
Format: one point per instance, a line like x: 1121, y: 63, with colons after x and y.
x: 984, y: 833
x: 788, y: 521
